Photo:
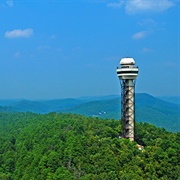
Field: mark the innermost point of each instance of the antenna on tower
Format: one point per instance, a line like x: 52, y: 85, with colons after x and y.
x: 127, y: 74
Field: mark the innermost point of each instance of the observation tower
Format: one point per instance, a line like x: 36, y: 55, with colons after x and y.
x: 127, y: 74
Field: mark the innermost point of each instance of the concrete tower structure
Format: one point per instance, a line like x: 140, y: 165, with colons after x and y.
x: 127, y: 74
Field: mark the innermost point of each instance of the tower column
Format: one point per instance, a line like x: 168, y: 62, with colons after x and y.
x: 127, y: 74
x: 127, y: 101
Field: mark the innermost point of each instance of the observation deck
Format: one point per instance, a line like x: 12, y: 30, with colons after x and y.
x: 127, y: 70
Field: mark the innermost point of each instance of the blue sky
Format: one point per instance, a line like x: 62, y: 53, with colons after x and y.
x: 58, y: 49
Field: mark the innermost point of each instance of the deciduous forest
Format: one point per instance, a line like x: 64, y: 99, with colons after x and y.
x: 73, y: 147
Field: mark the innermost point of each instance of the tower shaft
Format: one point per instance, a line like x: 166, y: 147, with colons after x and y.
x: 127, y: 74
x: 127, y: 102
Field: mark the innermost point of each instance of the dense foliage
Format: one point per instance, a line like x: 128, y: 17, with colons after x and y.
x: 67, y: 146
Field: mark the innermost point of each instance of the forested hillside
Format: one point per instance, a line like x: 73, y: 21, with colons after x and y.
x: 67, y: 146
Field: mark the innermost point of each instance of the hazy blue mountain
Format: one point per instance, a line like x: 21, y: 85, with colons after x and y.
x: 32, y: 106
x: 158, y: 112
x: 148, y: 108
x: 97, y: 98
x: 103, y: 109
x: 8, y: 102
x: 56, y: 105
x: 172, y: 99
x: 43, y: 106
x: 6, y: 109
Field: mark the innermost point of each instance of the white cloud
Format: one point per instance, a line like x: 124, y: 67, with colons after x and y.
x: 6, y: 3
x: 138, y: 6
x: 116, y: 5
x: 139, y: 35
x: 135, y: 6
x: 19, y: 33
x: 10, y: 3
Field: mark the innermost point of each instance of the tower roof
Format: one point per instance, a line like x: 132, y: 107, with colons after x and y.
x: 127, y: 61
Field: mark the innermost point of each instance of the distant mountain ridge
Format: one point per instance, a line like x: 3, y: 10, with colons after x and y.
x: 148, y: 108
x: 172, y: 99
x: 41, y: 106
